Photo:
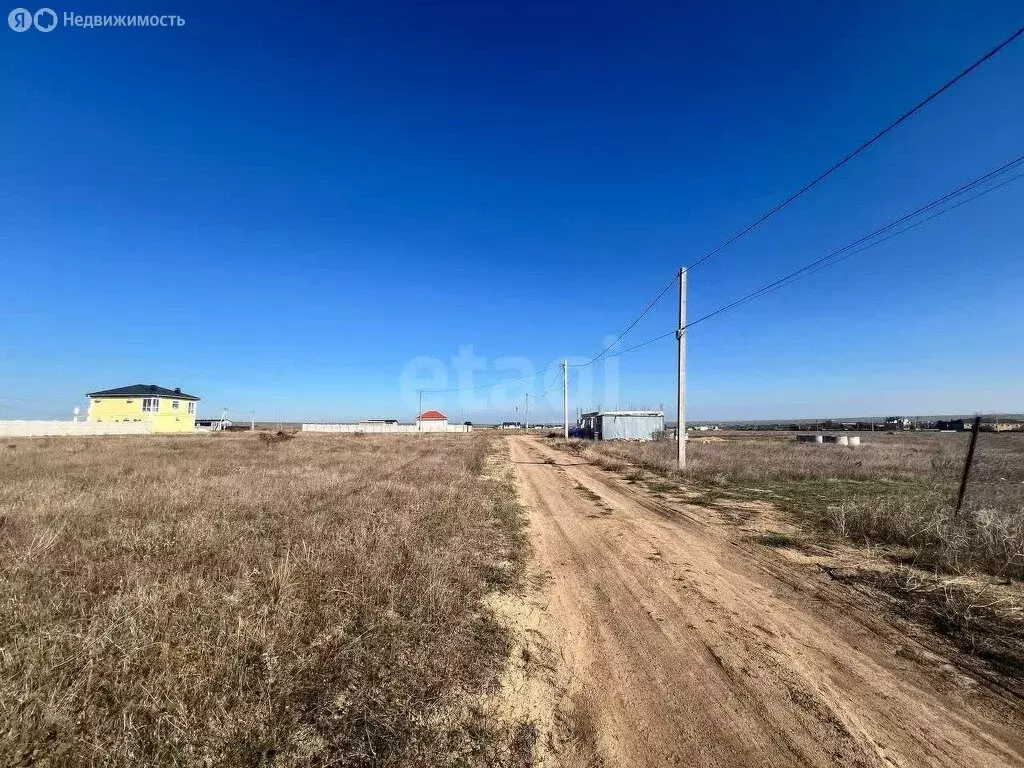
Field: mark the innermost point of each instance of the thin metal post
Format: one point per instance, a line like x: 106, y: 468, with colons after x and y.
x: 527, y: 411
x: 967, y: 466
x: 681, y: 380
x: 565, y: 399
x: 419, y: 412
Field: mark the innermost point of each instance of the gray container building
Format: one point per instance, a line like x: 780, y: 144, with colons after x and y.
x: 622, y: 425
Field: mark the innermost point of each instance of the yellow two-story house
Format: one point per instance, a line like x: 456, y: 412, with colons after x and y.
x: 167, y: 410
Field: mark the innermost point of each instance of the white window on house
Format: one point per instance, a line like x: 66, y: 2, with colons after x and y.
x: 150, y: 404
x: 174, y: 404
x: 191, y: 407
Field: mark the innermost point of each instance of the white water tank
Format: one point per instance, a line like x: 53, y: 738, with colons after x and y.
x: 854, y: 441
x: 842, y: 440
x: 819, y: 439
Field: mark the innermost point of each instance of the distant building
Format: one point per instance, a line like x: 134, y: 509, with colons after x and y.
x: 896, y: 422
x: 167, y: 410
x: 432, y: 421
x: 510, y: 425
x: 1002, y: 426
x: 213, y: 425
x: 622, y: 425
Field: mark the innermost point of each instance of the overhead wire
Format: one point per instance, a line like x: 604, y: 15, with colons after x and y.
x: 606, y: 352
x: 865, y: 242
x: 631, y: 326
x: 851, y: 155
x: 554, y: 380
x: 882, y: 233
x: 642, y: 344
x: 872, y: 239
x: 807, y: 187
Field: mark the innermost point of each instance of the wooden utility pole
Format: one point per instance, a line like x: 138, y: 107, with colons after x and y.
x: 565, y: 399
x: 681, y: 381
x: 967, y: 466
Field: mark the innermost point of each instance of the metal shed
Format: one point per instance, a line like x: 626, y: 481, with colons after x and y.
x: 622, y: 425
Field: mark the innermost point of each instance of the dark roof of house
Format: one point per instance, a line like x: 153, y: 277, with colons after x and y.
x: 143, y: 390
x: 432, y: 416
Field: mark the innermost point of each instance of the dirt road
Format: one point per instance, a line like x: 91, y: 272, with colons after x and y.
x: 677, y: 639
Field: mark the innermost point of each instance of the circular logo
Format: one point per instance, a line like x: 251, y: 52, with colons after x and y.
x: 45, y: 19
x: 20, y: 20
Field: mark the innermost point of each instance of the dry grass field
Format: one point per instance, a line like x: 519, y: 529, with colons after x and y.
x: 894, y: 496
x: 233, y: 601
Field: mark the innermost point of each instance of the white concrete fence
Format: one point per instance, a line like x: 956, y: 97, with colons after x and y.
x: 375, y: 429
x: 33, y: 428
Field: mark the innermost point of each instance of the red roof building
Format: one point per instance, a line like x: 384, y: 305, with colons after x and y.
x: 432, y: 416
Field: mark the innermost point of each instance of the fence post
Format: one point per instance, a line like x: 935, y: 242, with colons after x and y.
x: 967, y: 467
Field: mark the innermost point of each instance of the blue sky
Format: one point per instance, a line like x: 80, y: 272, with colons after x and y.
x: 310, y: 211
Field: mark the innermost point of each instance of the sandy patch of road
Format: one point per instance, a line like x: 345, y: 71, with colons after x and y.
x: 674, y: 640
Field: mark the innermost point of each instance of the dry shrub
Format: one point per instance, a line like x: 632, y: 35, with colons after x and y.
x: 976, y: 613
x: 635, y: 475
x: 280, y: 436
x: 976, y: 539
x: 611, y: 465
x: 576, y: 447
x: 188, y: 601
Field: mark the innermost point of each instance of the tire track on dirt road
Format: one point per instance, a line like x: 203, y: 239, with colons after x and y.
x: 681, y: 648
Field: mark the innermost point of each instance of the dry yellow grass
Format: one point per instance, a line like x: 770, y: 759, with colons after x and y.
x: 224, y: 600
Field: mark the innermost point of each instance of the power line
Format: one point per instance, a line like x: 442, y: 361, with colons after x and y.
x: 642, y: 344
x: 554, y: 381
x: 867, y: 241
x: 817, y: 268
x: 882, y: 233
x: 632, y: 325
x: 916, y: 108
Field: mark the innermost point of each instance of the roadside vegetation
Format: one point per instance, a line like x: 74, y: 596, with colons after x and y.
x: 235, y: 601
x: 894, y: 495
